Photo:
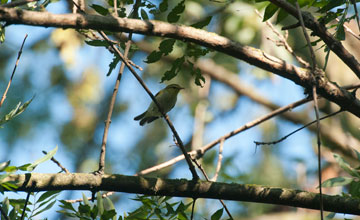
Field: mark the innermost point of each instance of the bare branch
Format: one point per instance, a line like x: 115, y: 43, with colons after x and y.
x: 251, y: 55
x: 321, y: 31
x: 200, y: 152
x: 316, y: 105
x: 13, y: 73
x: 35, y: 182
x: 57, y: 163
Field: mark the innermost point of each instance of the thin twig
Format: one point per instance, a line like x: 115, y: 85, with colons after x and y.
x: 181, y: 145
x: 218, y: 166
x: 192, y: 209
x: 356, y: 13
x: 13, y: 73
x: 200, y: 114
x: 111, y: 108
x: 283, y: 41
x: 128, y: 65
x: 57, y: 163
x: 107, y: 194
x: 297, y: 130
x: 201, y: 151
x: 113, y: 97
x: 313, y: 69
x: 347, y: 29
x: 24, y: 209
x: 207, y: 178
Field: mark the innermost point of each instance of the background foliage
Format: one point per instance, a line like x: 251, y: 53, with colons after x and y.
x: 73, y: 76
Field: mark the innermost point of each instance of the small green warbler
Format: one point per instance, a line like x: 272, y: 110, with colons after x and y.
x: 166, y: 98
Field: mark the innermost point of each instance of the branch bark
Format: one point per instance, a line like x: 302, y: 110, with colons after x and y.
x: 34, y: 182
x: 248, y: 54
x: 321, y: 31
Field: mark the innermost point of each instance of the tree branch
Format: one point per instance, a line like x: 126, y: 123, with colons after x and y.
x: 321, y: 31
x: 34, y: 182
x: 251, y: 55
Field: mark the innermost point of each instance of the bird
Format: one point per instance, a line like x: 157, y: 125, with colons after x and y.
x: 166, y: 98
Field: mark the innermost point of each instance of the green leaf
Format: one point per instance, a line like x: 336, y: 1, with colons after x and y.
x: 354, y: 189
x: 109, y: 214
x: 122, y: 12
x: 2, y: 34
x: 9, y: 186
x: 85, y: 199
x: 24, y: 167
x: 270, y: 10
x: 67, y: 205
x: 331, y: 215
x: 46, y: 208
x: 163, y: 5
x: 68, y: 214
x: 345, y: 166
x: 154, y: 57
x: 11, y: 169
x: 16, y: 111
x: 169, y: 209
x: 144, y: 15
x: 48, y: 156
x: 217, y: 215
x: 281, y: 15
x: 175, y: 69
x: 109, y: 205
x: 337, y: 181
x: 166, y: 46
x: 47, y: 195
x: 100, y: 9
x: 94, y: 212
x: 97, y: 43
x: 330, y: 5
x: 100, y: 203
x: 174, y: 15
x: 84, y: 209
x: 199, y: 79
x: 113, y: 64
x: 204, y: 22
x: 3, y: 165
x: 5, y: 205
x: 182, y: 216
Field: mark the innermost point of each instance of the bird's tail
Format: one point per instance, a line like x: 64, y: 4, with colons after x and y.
x: 147, y: 120
x: 137, y: 118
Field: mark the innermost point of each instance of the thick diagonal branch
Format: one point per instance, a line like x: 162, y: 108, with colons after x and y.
x: 251, y: 55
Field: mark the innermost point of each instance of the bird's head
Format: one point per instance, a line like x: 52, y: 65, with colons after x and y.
x: 174, y: 87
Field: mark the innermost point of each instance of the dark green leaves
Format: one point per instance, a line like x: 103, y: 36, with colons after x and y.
x: 175, y: 69
x: 202, y: 23
x: 163, y: 6
x: 113, y: 64
x: 154, y: 57
x: 270, y: 10
x: 165, y: 48
x: 144, y: 15
x: 217, y: 215
x: 97, y: 43
x: 103, y: 209
x: 100, y: 9
x: 174, y: 15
